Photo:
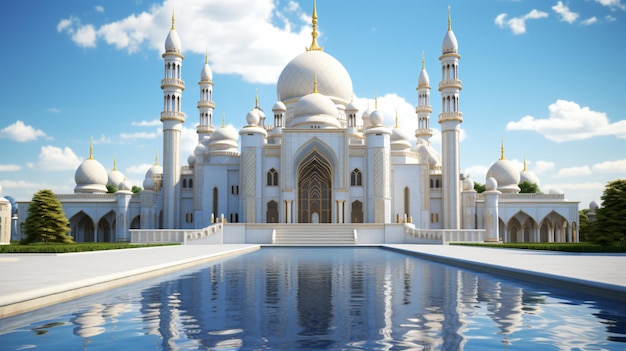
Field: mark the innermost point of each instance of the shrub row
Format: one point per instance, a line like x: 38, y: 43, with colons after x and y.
x: 67, y: 248
x: 566, y: 247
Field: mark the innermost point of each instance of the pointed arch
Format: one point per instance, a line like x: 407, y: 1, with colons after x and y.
x: 314, y: 188
x: 271, y: 216
x: 357, y: 212
x: 82, y: 227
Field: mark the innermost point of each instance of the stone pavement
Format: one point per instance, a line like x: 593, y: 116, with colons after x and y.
x: 31, y: 281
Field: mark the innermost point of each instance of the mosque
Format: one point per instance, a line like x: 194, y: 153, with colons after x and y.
x: 314, y: 161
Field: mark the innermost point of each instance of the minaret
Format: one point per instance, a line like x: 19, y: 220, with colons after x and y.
x: 205, y: 104
x: 450, y: 120
x: 173, y: 119
x: 423, y: 108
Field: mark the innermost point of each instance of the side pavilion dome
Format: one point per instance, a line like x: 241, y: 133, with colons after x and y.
x: 332, y: 78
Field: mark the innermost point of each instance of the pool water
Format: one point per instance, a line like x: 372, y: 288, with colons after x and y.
x: 324, y: 298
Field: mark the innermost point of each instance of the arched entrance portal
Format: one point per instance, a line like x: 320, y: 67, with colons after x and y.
x: 315, y: 189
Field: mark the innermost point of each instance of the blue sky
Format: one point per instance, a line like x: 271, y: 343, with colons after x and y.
x: 544, y: 76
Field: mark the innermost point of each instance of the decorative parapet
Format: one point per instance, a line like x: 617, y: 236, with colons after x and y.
x: 446, y: 236
x: 172, y: 82
x: 183, y: 236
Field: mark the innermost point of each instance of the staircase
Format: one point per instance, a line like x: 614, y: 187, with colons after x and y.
x: 314, y: 234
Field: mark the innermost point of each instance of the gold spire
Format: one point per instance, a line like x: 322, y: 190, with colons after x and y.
x: 423, y: 66
x: 449, y: 20
x: 314, y: 45
x: 206, y: 57
x: 223, y: 119
x: 173, y: 20
x: 115, y: 161
x: 376, y: 103
x: 315, y: 84
x: 156, y: 158
x: 396, y: 118
x: 256, y: 98
x: 502, y: 150
x: 524, y: 170
x: 91, y: 148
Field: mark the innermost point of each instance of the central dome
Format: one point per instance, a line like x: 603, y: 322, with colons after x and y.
x: 296, y: 79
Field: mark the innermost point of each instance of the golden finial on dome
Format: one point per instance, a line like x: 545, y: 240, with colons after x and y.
x: 156, y: 158
x: 91, y: 148
x: 256, y: 98
x: 206, y: 56
x: 449, y: 20
x: 314, y: 45
x: 423, y: 66
x: 223, y: 119
x: 524, y: 170
x: 396, y: 118
x: 315, y: 91
x: 376, y: 102
x: 173, y: 20
x: 502, y: 150
x: 115, y: 161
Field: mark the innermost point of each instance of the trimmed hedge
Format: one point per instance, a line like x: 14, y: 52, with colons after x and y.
x: 565, y: 247
x: 68, y: 248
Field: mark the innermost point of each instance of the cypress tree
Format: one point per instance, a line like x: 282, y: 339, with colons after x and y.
x: 46, y: 221
x: 610, y: 224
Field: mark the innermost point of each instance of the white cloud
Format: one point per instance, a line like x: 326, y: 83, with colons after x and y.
x: 54, y: 110
x: 10, y: 168
x: 568, y: 121
x: 140, y: 135
x: 242, y: 39
x: 20, y: 132
x: 612, y: 4
x: 518, y: 24
x: 189, y: 141
x: 99, y: 8
x: 618, y: 166
x: 388, y: 105
x: 566, y: 14
x: 589, y: 21
x: 138, y: 169
x: 610, y: 18
x: 574, y: 171
x: 478, y: 173
x: 85, y: 36
x: 23, y: 190
x: 52, y: 158
x: 543, y: 166
x: 152, y: 123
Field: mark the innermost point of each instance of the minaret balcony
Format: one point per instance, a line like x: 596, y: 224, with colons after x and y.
x: 172, y: 115
x: 424, y: 132
x: 450, y: 116
x: 451, y: 83
x: 172, y: 82
x: 204, y: 129
x: 425, y: 108
x: 206, y: 104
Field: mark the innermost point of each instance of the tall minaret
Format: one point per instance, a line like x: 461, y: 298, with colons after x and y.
x: 450, y: 120
x: 205, y: 104
x: 423, y: 108
x: 172, y: 118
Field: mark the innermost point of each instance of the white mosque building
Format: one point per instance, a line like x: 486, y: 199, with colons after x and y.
x: 313, y: 161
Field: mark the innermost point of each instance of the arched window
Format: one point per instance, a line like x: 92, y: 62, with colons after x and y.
x: 215, y: 213
x: 437, y: 183
x: 431, y: 183
x: 407, y: 201
x: 271, y: 216
x: 184, y: 183
x: 356, y: 179
x: 272, y: 177
x: 190, y: 183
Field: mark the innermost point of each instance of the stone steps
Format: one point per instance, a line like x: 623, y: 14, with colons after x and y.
x: 315, y: 234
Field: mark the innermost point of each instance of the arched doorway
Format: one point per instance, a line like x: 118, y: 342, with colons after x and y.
x: 315, y: 189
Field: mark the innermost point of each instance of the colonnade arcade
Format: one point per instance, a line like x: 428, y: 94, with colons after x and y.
x: 524, y: 228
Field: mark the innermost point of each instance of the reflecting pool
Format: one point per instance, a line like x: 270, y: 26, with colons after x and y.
x: 324, y: 298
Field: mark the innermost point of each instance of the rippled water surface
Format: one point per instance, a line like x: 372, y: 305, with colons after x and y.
x: 324, y: 298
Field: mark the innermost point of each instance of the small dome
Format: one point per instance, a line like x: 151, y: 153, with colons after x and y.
x: 506, y: 174
x: 400, y: 139
x: 260, y: 112
x: 125, y: 186
x: 115, y: 177
x: 593, y: 205
x: 528, y: 176
x: 224, y: 139
x: 200, y: 150
x: 153, y: 171
x: 279, y: 106
x: 315, y: 104
x: 296, y: 78
x: 91, y: 177
x: 423, y: 79
x: 191, y: 161
x: 352, y: 107
x: 253, y: 117
x: 206, y: 75
x: 376, y: 118
x: 555, y: 191
x: 468, y: 184
x: 366, y: 117
x: 491, y: 184
x: 450, y: 44
x: 172, y: 42
x: 148, y: 184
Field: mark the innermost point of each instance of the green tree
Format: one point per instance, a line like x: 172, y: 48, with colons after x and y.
x: 479, y: 187
x: 609, y: 226
x: 584, y: 228
x: 46, y: 220
x: 527, y: 187
x: 136, y: 189
x: 111, y: 189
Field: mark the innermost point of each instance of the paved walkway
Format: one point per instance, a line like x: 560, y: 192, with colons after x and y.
x: 31, y: 281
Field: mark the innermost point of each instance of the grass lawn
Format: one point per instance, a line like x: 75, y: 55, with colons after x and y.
x: 15, y: 247
x: 566, y: 247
